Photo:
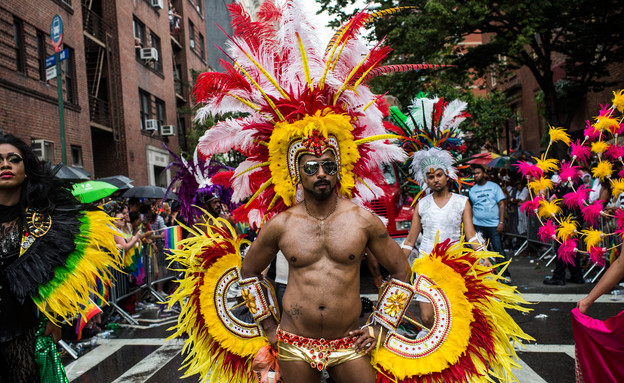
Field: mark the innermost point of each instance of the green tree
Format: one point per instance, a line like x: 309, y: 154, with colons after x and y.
x: 584, y: 34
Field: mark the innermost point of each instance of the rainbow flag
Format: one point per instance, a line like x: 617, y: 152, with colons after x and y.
x: 173, y: 236
x: 102, y: 290
x: 89, y: 312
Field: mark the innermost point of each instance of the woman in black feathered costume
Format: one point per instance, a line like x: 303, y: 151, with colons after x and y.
x: 25, y: 263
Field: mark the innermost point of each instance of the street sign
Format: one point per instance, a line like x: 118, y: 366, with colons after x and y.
x: 51, y: 60
x: 56, y: 32
x: 50, y: 73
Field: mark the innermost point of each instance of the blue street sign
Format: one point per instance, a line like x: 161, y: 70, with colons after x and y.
x: 56, y: 31
x: 51, y: 60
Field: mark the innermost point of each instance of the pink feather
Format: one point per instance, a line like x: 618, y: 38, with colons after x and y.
x: 590, y: 132
x: 569, y: 172
x: 576, y: 199
x: 619, y: 219
x: 596, y: 255
x: 567, y: 250
x: 528, y: 169
x: 620, y: 130
x: 615, y: 152
x: 582, y: 153
x: 591, y: 213
x: 531, y: 205
x: 547, y: 231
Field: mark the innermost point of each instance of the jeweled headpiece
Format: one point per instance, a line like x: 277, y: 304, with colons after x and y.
x: 300, y: 98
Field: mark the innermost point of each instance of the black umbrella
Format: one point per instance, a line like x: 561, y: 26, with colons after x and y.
x: 149, y: 191
x: 122, y: 182
x: 70, y: 173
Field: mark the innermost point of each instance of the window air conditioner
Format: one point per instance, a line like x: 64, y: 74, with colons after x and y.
x: 167, y: 130
x: 192, y: 44
x: 149, y: 54
x: 157, y: 4
x: 44, y: 150
x: 151, y: 125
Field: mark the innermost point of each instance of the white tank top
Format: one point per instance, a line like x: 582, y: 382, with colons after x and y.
x: 446, y: 221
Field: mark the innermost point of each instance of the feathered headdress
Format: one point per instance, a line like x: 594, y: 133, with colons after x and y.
x: 431, y: 123
x: 428, y: 161
x: 602, y: 140
x: 300, y: 98
x: 198, y: 182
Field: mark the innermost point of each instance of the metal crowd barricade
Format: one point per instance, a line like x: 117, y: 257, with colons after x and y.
x: 530, y: 238
x: 122, y: 287
x: 607, y: 226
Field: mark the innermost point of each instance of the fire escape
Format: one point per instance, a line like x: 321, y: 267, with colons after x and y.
x: 103, y: 77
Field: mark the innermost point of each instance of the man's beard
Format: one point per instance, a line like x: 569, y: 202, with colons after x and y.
x: 322, y: 195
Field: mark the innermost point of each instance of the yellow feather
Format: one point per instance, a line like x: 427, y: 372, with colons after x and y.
x: 559, y: 134
x: 567, y: 228
x: 548, y: 209
x: 592, y: 237
x: 603, y: 169
x: 304, y: 59
x: 617, y: 187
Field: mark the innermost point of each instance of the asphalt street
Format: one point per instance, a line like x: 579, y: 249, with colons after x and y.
x: 141, y: 354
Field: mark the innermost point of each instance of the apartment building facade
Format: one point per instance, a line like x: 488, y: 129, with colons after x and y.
x: 126, y: 84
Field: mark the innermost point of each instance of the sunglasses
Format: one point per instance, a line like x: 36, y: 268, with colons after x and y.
x: 12, y: 158
x: 310, y: 168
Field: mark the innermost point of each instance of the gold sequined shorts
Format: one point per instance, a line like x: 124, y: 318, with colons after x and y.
x: 319, y: 353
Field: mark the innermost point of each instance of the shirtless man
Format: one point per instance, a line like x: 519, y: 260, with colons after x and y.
x: 323, y: 239
x: 440, y: 213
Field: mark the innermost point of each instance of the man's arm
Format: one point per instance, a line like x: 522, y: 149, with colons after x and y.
x: 501, y: 216
x: 412, y: 236
x: 387, y: 251
x: 258, y: 257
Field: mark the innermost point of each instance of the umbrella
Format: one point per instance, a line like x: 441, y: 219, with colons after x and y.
x: 122, y: 182
x: 522, y: 154
x: 502, y: 162
x: 70, y: 173
x: 148, y: 191
x: 482, y: 158
x: 93, y: 190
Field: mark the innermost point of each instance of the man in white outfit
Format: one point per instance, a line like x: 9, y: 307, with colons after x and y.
x: 439, y: 214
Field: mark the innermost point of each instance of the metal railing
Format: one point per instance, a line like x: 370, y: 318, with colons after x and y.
x: 530, y: 240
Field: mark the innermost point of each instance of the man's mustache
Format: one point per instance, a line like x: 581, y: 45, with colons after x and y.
x: 321, y: 182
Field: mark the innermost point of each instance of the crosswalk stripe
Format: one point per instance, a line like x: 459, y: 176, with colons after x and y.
x: 147, y: 367
x: 526, y: 374
x: 551, y: 298
x: 107, y: 348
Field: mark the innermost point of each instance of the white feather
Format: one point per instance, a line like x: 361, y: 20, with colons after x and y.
x: 450, y: 117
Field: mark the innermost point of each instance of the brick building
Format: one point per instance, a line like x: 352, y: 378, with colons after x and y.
x: 126, y: 83
x: 29, y: 103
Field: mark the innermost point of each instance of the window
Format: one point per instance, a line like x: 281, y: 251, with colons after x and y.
x: 161, y: 116
x: 191, y: 34
x: 144, y: 107
x: 41, y: 54
x: 198, y: 6
x: 18, y: 40
x: 202, y: 48
x: 76, y: 155
x: 155, y: 43
x: 44, y: 150
x: 70, y: 76
x: 139, y: 36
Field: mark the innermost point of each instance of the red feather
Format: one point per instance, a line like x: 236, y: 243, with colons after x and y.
x: 531, y: 206
x: 402, y: 68
x: 529, y: 169
x: 223, y: 178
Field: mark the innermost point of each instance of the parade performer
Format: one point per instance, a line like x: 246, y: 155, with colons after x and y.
x: 315, y: 129
x: 51, y: 251
x: 598, y: 344
x: 200, y: 185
